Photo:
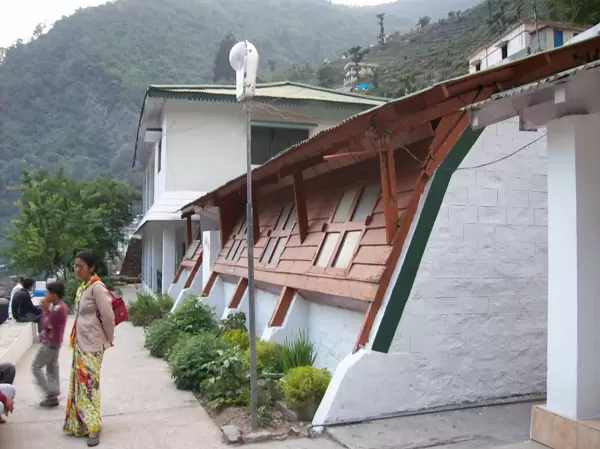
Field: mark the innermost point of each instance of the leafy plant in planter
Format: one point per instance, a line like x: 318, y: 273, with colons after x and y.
x: 234, y: 321
x: 194, y: 316
x: 299, y: 352
x: 160, y: 337
x: 303, y: 389
x: 226, y: 379
x: 187, y: 359
x: 236, y: 337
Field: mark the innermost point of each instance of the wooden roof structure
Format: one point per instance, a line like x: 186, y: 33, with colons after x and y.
x: 402, y: 142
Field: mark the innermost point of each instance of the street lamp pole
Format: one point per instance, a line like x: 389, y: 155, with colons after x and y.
x: 243, y: 57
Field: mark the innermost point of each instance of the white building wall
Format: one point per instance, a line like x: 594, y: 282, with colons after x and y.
x: 160, y: 181
x: 518, y: 39
x: 210, y: 139
x: 477, y: 311
x: 474, y: 327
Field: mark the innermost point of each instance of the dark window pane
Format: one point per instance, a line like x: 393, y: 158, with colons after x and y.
x: 327, y: 249
x: 268, y: 251
x: 289, y: 223
x: 278, y: 251
x: 347, y: 248
x: 366, y: 203
x: 341, y: 213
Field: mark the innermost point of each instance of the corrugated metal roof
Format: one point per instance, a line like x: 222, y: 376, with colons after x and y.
x: 284, y: 90
x: 532, y: 86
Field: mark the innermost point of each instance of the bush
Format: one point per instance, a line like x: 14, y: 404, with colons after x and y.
x: 188, y: 357
x: 236, y: 337
x: 193, y: 316
x: 300, y: 352
x: 160, y: 337
x: 147, y: 308
x: 268, y: 357
x: 234, y: 321
x: 226, y: 379
x: 71, y: 287
x: 304, y: 385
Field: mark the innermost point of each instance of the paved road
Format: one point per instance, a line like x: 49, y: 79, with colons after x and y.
x: 140, y: 406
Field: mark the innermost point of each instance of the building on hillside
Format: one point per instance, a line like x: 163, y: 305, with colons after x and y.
x: 354, y: 71
x: 410, y: 247
x: 191, y: 139
x: 523, y: 39
x: 567, y: 107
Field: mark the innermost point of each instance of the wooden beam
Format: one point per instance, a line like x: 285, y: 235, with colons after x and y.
x: 255, y: 219
x: 188, y: 224
x: 209, y: 284
x: 388, y: 190
x: 178, y: 274
x: 238, y: 293
x: 194, y: 271
x: 301, y: 211
x: 282, y: 307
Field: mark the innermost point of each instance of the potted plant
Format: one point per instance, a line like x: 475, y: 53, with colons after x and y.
x: 303, y: 389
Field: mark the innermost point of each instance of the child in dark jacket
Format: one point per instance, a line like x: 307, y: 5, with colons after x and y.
x: 53, y: 323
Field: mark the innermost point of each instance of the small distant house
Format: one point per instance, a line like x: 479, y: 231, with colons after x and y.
x: 191, y: 139
x: 525, y: 38
x: 354, y: 71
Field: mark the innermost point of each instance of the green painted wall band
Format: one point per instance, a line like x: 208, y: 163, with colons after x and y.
x: 404, y: 284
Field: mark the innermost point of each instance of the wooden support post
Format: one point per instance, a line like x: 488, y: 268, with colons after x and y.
x: 238, y: 293
x: 300, y: 199
x: 188, y: 224
x: 282, y: 307
x: 194, y: 271
x: 209, y: 284
x: 388, y: 190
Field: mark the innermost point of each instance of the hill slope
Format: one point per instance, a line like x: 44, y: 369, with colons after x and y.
x: 73, y: 94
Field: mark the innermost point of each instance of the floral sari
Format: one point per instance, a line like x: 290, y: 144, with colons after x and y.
x: 83, y: 402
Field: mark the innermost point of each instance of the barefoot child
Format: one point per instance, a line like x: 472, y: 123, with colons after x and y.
x: 53, y: 327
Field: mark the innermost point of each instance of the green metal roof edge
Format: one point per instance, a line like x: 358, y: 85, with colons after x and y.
x: 229, y: 90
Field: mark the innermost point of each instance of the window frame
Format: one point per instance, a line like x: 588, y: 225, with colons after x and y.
x: 342, y: 228
x: 277, y: 234
x: 241, y: 236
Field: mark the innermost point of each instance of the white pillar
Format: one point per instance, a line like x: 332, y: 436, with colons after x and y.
x: 156, y: 258
x: 168, y: 256
x: 211, y: 245
x: 574, y: 266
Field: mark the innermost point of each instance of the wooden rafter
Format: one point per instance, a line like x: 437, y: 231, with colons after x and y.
x: 238, y: 293
x: 388, y: 191
x: 209, y: 284
x: 282, y: 307
x: 195, y: 268
x: 188, y: 225
x: 255, y: 220
x: 300, y: 201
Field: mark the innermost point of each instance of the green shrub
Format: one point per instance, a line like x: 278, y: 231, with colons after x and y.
x: 304, y: 385
x: 188, y: 357
x: 160, y: 337
x: 300, y: 352
x: 147, y: 308
x: 236, y: 337
x: 268, y: 357
x: 71, y: 287
x: 234, y: 321
x: 193, y: 316
x: 226, y: 379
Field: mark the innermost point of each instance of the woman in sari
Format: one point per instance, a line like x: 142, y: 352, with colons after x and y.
x: 92, y: 333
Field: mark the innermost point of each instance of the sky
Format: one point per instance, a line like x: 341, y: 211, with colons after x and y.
x: 19, y: 19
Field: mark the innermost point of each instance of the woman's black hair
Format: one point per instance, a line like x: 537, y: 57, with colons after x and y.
x: 57, y: 288
x: 88, y: 258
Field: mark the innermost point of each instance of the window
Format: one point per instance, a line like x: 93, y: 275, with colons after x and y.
x: 345, y: 230
x: 279, y: 236
x: 159, y: 156
x: 504, y: 50
x: 239, y: 242
x: 268, y: 142
x: 478, y: 67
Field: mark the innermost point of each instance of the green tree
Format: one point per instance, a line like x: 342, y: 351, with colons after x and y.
x: 222, y: 71
x: 575, y: 11
x: 328, y: 75
x: 423, y: 21
x: 58, y: 215
x: 381, y: 36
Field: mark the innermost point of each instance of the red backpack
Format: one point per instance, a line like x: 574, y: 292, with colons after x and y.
x: 119, y: 307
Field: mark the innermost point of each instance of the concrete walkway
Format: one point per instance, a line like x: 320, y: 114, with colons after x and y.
x: 141, y: 408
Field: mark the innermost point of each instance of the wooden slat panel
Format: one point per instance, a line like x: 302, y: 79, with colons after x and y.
x: 303, y: 253
x: 373, y: 255
x: 312, y: 239
x: 374, y: 237
x: 282, y: 307
x: 366, y: 273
